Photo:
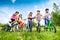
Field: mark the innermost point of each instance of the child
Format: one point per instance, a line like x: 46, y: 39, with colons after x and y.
x: 14, y: 19
x: 30, y: 21
x: 38, y: 17
x: 14, y: 16
x: 20, y: 22
x: 47, y: 14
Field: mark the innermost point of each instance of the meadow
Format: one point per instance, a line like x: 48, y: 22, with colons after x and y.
x: 43, y: 35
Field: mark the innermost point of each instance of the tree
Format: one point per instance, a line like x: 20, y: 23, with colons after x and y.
x: 55, y: 7
x: 56, y: 14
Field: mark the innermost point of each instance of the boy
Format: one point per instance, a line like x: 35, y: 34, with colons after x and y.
x: 47, y: 15
x: 38, y: 18
x: 30, y: 21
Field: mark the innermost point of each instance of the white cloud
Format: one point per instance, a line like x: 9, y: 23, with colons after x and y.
x: 13, y: 1
x: 36, y: 7
x: 6, y: 12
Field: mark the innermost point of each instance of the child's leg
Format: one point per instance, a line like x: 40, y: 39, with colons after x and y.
x: 37, y: 29
x: 12, y: 20
x: 17, y: 27
x: 45, y: 21
x: 45, y: 24
x: 30, y: 26
x: 27, y: 26
x: 22, y: 28
x: 38, y: 26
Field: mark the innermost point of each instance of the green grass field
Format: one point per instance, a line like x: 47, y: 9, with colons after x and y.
x: 43, y: 35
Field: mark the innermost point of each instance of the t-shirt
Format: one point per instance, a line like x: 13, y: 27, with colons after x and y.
x: 38, y: 16
x: 20, y: 19
x: 14, y: 16
x: 47, y: 15
x: 29, y: 17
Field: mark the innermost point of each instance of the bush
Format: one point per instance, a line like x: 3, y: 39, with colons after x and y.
x: 3, y: 25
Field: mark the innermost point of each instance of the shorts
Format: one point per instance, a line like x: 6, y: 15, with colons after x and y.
x: 12, y: 20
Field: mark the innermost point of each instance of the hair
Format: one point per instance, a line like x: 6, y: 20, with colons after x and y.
x: 16, y: 12
x: 46, y: 9
x: 20, y: 14
x: 31, y: 12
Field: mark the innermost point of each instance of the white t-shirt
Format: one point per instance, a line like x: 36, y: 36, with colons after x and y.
x: 47, y: 15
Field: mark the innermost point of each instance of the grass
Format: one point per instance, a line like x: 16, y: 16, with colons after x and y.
x: 43, y: 35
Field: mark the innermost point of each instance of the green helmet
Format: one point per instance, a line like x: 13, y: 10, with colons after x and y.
x: 38, y: 10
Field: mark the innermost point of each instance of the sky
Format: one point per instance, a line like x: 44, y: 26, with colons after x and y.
x: 8, y: 7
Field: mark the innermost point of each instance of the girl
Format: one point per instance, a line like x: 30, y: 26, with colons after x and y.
x: 30, y: 21
x: 20, y: 22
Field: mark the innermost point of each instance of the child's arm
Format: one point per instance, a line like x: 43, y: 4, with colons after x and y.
x: 29, y: 16
x: 42, y: 16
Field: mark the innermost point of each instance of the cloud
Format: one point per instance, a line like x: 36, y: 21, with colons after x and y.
x: 6, y: 12
x: 36, y: 7
x: 4, y: 17
x: 13, y: 1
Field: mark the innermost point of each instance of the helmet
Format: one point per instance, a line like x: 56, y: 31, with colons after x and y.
x: 38, y: 10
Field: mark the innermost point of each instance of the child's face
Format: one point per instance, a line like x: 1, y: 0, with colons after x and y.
x: 30, y: 14
x: 20, y: 15
x: 47, y: 11
x: 38, y: 12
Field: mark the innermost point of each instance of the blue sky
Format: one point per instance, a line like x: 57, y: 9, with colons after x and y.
x: 20, y: 2
x: 8, y: 7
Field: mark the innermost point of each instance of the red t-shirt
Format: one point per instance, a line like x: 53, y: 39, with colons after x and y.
x: 14, y: 16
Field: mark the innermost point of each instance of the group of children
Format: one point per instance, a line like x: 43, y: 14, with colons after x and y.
x: 16, y: 19
x: 38, y: 18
